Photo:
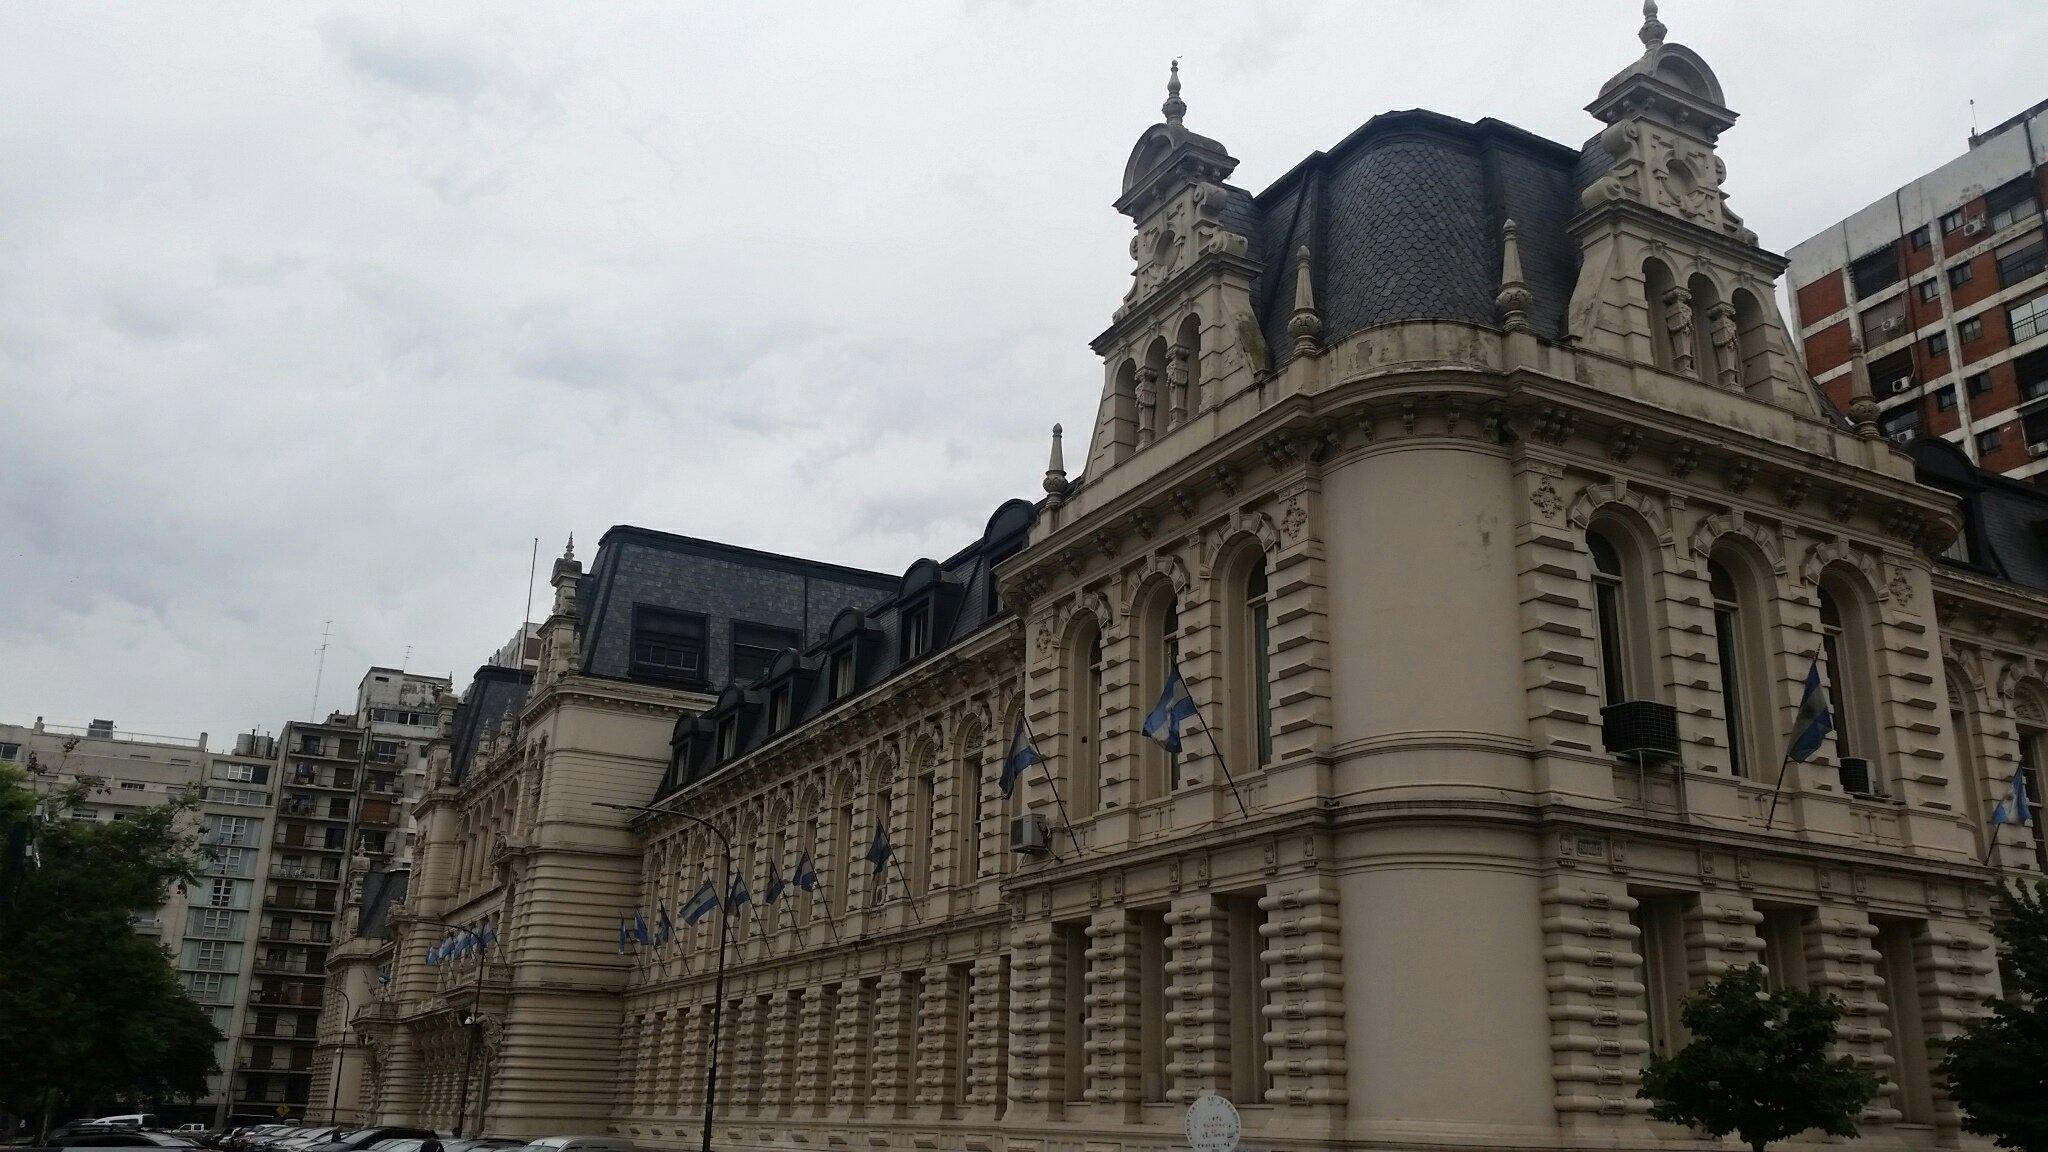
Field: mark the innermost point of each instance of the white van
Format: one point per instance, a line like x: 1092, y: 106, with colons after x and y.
x: 127, y: 1120
x: 579, y: 1144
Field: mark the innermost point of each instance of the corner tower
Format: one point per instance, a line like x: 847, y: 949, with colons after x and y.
x: 1184, y: 337
x: 1668, y: 273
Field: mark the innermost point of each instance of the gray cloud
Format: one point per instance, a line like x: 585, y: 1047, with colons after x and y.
x: 317, y: 314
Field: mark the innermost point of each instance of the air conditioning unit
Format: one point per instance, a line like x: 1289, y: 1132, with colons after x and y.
x: 1029, y: 836
x: 1897, y: 385
x: 1892, y: 324
x: 1640, y: 729
x: 1973, y: 226
x: 1904, y: 436
x: 1856, y: 776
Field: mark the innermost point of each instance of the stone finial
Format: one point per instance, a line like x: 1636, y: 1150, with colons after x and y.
x: 1306, y: 325
x: 1653, y: 31
x: 1862, y: 405
x: 1175, y: 107
x: 1512, y: 301
x: 1056, y: 471
x: 569, y: 552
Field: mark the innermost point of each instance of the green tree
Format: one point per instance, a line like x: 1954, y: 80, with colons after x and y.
x: 1997, y: 1070
x: 92, y: 1014
x: 1758, y: 1064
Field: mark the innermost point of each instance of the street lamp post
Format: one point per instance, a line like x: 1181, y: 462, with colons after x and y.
x: 348, y: 1012
x: 718, y: 984
x: 474, y: 1021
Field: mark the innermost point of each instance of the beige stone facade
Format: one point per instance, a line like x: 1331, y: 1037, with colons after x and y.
x: 1395, y: 890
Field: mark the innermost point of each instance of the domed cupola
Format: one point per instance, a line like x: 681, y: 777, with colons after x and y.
x: 1172, y: 348
x: 1668, y: 274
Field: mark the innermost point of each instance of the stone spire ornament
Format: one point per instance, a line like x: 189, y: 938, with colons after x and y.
x: 1056, y: 472
x: 1306, y: 325
x: 1512, y: 302
x: 1862, y: 405
x: 1652, y: 34
x: 569, y: 551
x: 1175, y: 107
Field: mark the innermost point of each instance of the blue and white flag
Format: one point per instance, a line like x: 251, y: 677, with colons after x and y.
x: 703, y: 903
x: 1021, y: 756
x: 1811, y: 726
x: 664, y: 928
x: 775, y: 885
x: 2013, y: 807
x: 1175, y: 708
x: 640, y: 933
x: 623, y: 935
x: 490, y: 933
x: 879, y: 850
x: 433, y: 955
x: 737, y: 894
x: 805, y: 875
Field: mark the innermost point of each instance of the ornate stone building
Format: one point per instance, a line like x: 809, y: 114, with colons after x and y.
x: 1472, y: 485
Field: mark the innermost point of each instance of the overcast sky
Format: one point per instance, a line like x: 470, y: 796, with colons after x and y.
x: 314, y: 314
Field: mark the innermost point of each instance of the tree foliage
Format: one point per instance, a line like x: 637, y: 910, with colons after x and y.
x: 1758, y: 1064
x: 1997, y: 1070
x: 91, y: 1013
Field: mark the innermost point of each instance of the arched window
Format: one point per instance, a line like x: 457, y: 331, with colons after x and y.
x: 1186, y: 356
x: 1247, y: 642
x: 840, y: 867
x: 1158, y: 657
x: 1848, y: 664
x: 1740, y: 638
x: 923, y: 820
x: 883, y: 814
x: 1659, y: 298
x: 1084, y: 710
x: 967, y: 806
x: 1962, y: 734
x: 2033, y: 742
x: 1752, y: 339
x: 1620, y: 618
x: 1151, y: 382
x: 808, y: 844
x: 1012, y: 805
x: 1123, y: 412
x: 1702, y: 297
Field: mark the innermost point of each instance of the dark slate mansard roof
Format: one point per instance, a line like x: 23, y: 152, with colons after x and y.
x: 1402, y: 220
x: 2005, y: 521
x: 493, y: 698
x: 960, y: 592
x: 382, y: 891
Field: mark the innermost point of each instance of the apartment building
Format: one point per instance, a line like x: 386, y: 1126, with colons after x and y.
x: 1944, y: 284
x: 327, y: 799
x: 207, y: 927
x: 396, y: 709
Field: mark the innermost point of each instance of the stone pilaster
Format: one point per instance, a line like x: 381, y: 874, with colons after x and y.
x: 1297, y: 620
x: 890, y: 1093
x: 1198, y: 987
x: 777, y: 1080
x: 1304, y: 962
x: 746, y: 1029
x: 632, y: 1086
x: 988, y: 1034
x: 1840, y: 959
x: 1593, y: 971
x: 690, y: 1060
x: 1558, y: 648
x: 723, y: 1044
x: 1113, y: 1067
x: 402, y: 1096
x: 813, y: 1059
x: 1720, y: 933
x: 1954, y: 962
x: 1037, y: 996
x: 662, y: 1075
x: 851, y: 1062
x: 938, y: 1022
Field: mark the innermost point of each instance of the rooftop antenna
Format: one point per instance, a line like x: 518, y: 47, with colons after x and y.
x: 526, y: 621
x: 407, y: 661
x: 1973, y: 117
x: 320, y: 669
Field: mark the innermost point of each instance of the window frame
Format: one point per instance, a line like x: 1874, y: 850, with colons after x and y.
x: 2035, y: 319
x: 756, y: 638
x: 1961, y: 274
x: 656, y: 626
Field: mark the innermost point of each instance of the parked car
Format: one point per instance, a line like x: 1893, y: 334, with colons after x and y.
x: 481, y: 1144
x: 190, y: 1131
x: 128, y: 1120
x: 110, y: 1136
x: 360, y: 1139
x: 302, y: 1137
x: 581, y: 1144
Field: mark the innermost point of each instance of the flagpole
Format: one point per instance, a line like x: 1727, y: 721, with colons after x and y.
x: 1776, y: 790
x: 908, y: 897
x: 756, y: 914
x: 1213, y: 745
x: 817, y: 890
x: 1054, y: 784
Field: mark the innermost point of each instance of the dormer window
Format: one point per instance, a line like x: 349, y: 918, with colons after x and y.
x: 728, y: 737
x: 917, y: 631
x: 780, y: 708
x: 840, y: 679
x: 755, y: 647
x: 668, y: 645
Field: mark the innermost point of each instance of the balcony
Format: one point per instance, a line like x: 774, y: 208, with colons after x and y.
x: 297, y: 996
x: 294, y: 966
x: 303, y: 845
x: 272, y: 934
x: 301, y: 872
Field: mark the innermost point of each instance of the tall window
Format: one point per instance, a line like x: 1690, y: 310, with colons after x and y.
x: 842, y: 834
x: 1908, y: 1040
x: 927, y: 814
x: 839, y: 675
x: 1784, y: 936
x: 1160, y: 655
x: 884, y: 814
x: 1070, y: 960
x: 1846, y: 656
x: 1252, y: 687
x: 755, y: 647
x: 1611, y: 618
x: 668, y: 645
x: 967, y: 807
x: 1084, y: 704
x: 2030, y: 771
x: 1740, y: 638
x: 1246, y: 971
x: 1660, y: 920
x: 1150, y: 929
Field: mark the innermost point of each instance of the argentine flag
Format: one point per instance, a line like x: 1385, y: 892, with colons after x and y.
x: 664, y: 928
x: 622, y: 935
x: 775, y: 884
x: 737, y: 894
x: 702, y: 904
x: 805, y: 875
x: 1175, y: 708
x: 2013, y: 807
x: 1021, y: 756
x: 879, y: 849
x: 1811, y: 726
